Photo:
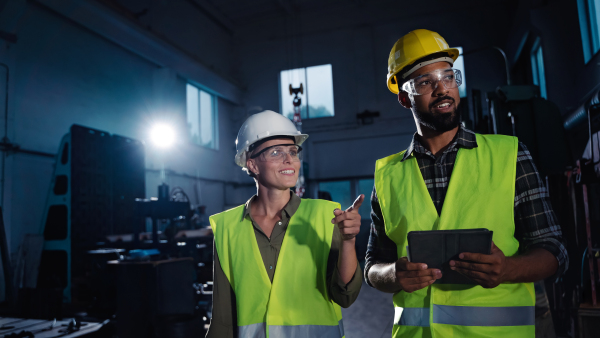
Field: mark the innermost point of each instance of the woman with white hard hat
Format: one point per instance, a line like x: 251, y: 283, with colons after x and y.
x: 283, y: 265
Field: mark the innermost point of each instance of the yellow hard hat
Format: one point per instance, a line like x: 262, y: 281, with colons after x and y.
x: 412, y: 47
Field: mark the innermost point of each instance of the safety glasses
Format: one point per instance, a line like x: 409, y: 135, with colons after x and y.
x: 279, y: 152
x: 427, y: 83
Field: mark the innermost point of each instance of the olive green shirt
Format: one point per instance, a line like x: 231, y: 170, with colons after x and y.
x: 224, y: 314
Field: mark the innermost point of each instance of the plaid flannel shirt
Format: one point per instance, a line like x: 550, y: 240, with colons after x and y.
x: 535, y: 222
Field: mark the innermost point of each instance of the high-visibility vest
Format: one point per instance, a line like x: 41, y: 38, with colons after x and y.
x: 480, y: 194
x: 297, y: 303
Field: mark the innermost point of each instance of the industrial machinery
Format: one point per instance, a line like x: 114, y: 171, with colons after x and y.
x: 96, y: 256
x: 297, y: 119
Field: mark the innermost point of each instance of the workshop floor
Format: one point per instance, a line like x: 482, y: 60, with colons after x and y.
x: 370, y: 316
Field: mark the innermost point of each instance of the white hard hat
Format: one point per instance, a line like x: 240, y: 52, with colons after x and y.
x: 261, y: 126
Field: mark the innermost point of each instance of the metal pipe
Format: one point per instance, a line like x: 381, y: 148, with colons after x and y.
x: 197, y: 178
x: 13, y: 148
x: 5, y: 138
x: 507, y: 69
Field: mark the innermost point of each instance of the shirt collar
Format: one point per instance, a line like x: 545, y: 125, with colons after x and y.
x: 290, y: 208
x: 464, y: 139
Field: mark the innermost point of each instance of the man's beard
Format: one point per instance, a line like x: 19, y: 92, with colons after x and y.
x: 440, y: 122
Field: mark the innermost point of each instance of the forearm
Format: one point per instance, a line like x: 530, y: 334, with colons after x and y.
x: 224, y: 321
x: 347, y: 261
x: 382, y: 276
x: 533, y: 265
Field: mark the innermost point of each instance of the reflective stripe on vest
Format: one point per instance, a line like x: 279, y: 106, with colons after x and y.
x: 296, y: 304
x: 258, y: 330
x: 480, y: 194
x: 412, y: 316
x: 466, y: 316
x: 313, y: 331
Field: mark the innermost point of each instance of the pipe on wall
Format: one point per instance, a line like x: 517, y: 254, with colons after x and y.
x: 5, y: 138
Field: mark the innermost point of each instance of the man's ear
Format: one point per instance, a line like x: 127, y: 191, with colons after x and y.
x: 404, y: 99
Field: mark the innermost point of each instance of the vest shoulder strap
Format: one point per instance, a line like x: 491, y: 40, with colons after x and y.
x: 217, y: 219
x: 317, y: 203
x: 494, y: 141
x: 390, y: 159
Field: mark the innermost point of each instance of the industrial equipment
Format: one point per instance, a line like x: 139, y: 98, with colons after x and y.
x: 95, y: 255
x: 297, y: 119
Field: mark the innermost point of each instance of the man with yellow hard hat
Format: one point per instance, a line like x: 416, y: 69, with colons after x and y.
x: 451, y: 178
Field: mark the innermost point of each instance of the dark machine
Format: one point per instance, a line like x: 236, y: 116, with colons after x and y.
x: 573, y: 182
x: 94, y: 255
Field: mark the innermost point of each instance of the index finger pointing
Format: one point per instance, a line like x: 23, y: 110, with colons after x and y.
x: 357, y: 203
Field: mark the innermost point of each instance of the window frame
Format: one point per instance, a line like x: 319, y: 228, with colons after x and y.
x: 462, y: 89
x: 214, y: 114
x: 537, y: 67
x: 306, y: 97
x: 365, y: 209
x: 589, y: 28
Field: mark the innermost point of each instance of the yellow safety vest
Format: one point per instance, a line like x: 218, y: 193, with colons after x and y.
x: 480, y: 194
x: 297, y: 304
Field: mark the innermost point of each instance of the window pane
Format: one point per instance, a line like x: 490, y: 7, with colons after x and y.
x: 594, y: 19
x: 340, y: 192
x: 193, y: 118
x: 541, y: 74
x: 460, y: 64
x: 295, y: 77
x: 365, y: 187
x: 320, y: 91
x: 206, y: 120
x: 585, y: 29
x: 534, y: 70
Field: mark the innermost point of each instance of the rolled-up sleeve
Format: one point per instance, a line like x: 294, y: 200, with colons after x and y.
x: 380, y: 249
x: 224, y: 314
x: 343, y: 294
x: 535, y: 221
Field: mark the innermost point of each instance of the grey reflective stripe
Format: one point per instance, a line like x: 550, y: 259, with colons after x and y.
x: 484, y: 316
x: 257, y: 330
x: 341, y: 326
x: 306, y: 331
x: 412, y: 316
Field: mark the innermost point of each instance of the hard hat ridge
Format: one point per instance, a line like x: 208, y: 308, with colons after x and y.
x: 413, y: 47
x: 261, y: 126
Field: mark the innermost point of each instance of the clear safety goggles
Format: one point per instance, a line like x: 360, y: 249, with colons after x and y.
x: 279, y: 152
x: 427, y: 83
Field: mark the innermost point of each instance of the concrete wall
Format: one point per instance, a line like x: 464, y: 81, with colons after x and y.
x: 62, y: 73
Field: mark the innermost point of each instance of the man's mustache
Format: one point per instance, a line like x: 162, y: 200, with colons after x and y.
x: 440, y: 99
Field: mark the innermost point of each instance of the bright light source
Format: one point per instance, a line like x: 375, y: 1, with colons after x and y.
x: 162, y: 136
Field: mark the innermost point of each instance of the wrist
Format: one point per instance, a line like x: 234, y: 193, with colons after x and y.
x: 349, y: 242
x: 508, y: 275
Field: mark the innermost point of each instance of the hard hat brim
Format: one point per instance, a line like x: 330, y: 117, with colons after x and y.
x: 452, y: 52
x: 240, y: 158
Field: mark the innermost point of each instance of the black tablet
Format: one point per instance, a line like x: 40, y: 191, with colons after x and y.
x: 437, y: 247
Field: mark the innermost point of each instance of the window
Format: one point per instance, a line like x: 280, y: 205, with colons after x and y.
x: 340, y: 192
x: 589, y: 16
x: 317, y: 99
x: 345, y: 192
x: 202, y: 117
x: 365, y: 187
x: 460, y: 64
x: 537, y: 67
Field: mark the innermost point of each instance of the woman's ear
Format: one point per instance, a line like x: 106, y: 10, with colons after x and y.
x: 251, y: 165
